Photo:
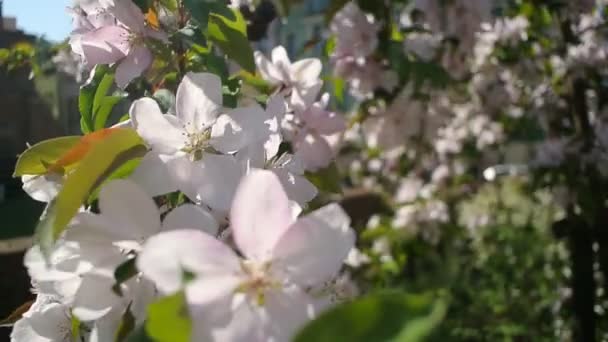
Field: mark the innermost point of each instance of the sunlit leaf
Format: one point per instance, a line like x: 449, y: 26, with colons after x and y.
x: 231, y: 37
x: 36, y: 159
x: 168, y: 320
x: 384, y: 316
x: 103, y: 157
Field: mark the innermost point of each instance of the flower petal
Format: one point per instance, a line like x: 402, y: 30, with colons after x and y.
x: 95, y: 298
x: 267, y: 70
x: 313, y: 151
x: 189, y: 216
x: 136, y: 62
x: 105, y: 45
x: 260, y: 214
x: 297, y: 187
x: 217, y: 181
x: 155, y: 128
x: 167, y: 256
x: 306, y: 71
x: 128, y: 204
x: 313, y: 249
x: 199, y: 100
x: 239, y: 128
x: 42, y: 188
x: 127, y: 12
x: 153, y: 176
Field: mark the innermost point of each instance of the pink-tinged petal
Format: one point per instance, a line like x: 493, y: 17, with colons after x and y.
x: 133, y: 66
x: 216, y: 181
x: 313, y: 151
x: 190, y: 216
x: 281, y: 60
x: 128, y: 204
x: 95, y: 298
x: 167, y: 256
x: 312, y: 251
x: 210, y: 297
x: 260, y: 214
x: 298, y: 188
x: 153, y: 176
x: 154, y: 127
x: 267, y: 70
x: 106, y: 45
x: 239, y: 128
x: 284, y: 312
x: 302, y: 99
x: 323, y: 121
x: 199, y: 100
x: 127, y: 12
x: 306, y: 71
x: 288, y: 311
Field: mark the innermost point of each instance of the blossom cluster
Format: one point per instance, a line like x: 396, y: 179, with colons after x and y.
x: 232, y: 242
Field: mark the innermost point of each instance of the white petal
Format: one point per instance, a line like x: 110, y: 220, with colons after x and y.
x: 217, y: 180
x: 95, y: 297
x: 302, y: 99
x: 240, y: 128
x: 42, y: 188
x: 298, y: 188
x: 166, y: 256
x: 267, y: 70
x: 51, y: 322
x: 199, y: 100
x: 306, y: 71
x: 128, y: 204
x: 260, y: 214
x: 312, y: 250
x: 154, y: 128
x: 280, y: 58
x: 153, y: 176
x: 189, y: 216
x: 137, y: 61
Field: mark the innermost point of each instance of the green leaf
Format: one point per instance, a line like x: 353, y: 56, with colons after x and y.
x: 103, y: 158
x: 168, y: 319
x: 127, y: 325
x: 102, y: 113
x: 86, y: 99
x: 36, y: 159
x: 171, y: 5
x: 327, y: 179
x: 231, y: 37
x: 384, y: 316
x: 124, y: 272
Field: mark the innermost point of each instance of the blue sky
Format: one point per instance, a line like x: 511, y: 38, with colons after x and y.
x: 41, y: 17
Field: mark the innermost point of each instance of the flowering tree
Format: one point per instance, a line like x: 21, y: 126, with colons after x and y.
x: 368, y: 194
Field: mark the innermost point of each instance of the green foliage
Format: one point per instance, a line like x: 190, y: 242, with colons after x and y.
x: 168, y: 320
x: 384, y: 316
x: 230, y: 34
x: 37, y: 159
x: 94, y: 102
x: 104, y: 157
x: 327, y: 179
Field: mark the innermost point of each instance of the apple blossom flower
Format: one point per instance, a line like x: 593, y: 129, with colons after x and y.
x: 281, y: 72
x: 119, y: 38
x: 188, y: 143
x: 262, y: 295
x: 311, y: 126
x: 356, y: 32
x: 45, y: 321
x: 128, y: 217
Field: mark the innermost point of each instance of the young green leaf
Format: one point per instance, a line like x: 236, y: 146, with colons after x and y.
x: 168, y: 320
x: 231, y: 37
x: 384, y: 316
x: 100, y: 161
x: 36, y: 159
